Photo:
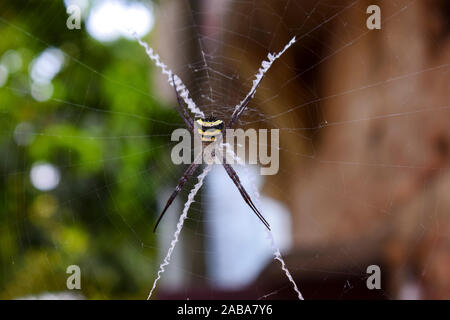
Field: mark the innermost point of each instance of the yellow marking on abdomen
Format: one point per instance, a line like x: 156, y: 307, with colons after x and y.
x: 208, y: 139
x: 209, y: 132
x: 209, y: 123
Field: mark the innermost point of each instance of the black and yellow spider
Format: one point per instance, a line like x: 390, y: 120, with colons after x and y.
x: 209, y: 128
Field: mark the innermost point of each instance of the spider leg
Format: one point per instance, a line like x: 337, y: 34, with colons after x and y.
x: 187, y: 174
x: 233, y: 175
x: 265, y: 66
x: 182, y: 110
x: 238, y: 111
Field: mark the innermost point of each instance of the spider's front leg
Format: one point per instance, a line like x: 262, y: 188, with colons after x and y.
x: 182, y: 111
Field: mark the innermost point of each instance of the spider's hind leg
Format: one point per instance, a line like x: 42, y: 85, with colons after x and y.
x: 233, y: 175
x: 187, y: 174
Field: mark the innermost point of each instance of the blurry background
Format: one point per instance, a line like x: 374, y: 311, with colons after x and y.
x: 86, y: 119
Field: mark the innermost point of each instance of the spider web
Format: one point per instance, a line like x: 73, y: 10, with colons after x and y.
x: 216, y: 49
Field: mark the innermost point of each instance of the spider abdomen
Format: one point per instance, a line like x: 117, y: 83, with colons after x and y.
x: 209, y: 129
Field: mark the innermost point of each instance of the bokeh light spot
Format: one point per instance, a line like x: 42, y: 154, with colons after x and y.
x: 111, y: 19
x: 44, y: 176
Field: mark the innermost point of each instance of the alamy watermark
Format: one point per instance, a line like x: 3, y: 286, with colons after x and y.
x: 235, y: 146
x: 374, y: 20
x: 74, y: 280
x: 74, y: 19
x: 374, y: 280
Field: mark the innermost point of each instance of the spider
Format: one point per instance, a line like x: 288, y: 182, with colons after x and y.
x: 209, y: 129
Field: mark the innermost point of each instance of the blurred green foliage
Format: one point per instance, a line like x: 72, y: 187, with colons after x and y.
x: 97, y: 130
